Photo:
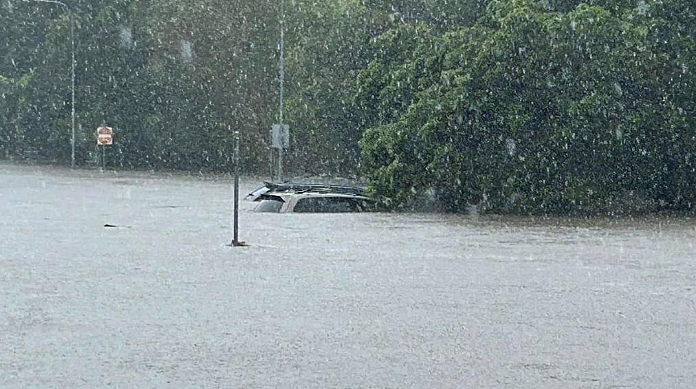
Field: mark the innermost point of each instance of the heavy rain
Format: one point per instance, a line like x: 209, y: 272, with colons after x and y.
x: 347, y: 193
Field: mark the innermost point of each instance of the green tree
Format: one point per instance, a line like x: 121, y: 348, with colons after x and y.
x: 538, y: 111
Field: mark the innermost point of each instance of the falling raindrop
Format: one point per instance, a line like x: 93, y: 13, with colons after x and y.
x: 510, y: 145
x: 186, y: 51
x: 126, y: 38
x: 641, y: 7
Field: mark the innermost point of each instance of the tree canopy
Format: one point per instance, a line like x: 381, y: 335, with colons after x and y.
x: 536, y: 108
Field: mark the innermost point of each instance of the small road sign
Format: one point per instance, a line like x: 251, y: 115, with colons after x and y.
x: 105, y: 136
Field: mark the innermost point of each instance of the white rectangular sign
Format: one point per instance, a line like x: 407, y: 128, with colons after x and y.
x: 280, y: 136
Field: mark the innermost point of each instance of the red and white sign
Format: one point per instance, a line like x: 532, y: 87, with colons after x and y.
x: 105, y: 136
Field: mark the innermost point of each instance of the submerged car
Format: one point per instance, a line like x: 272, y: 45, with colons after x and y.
x: 311, y: 198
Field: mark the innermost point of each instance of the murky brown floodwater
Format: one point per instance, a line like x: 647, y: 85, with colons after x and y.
x: 318, y: 301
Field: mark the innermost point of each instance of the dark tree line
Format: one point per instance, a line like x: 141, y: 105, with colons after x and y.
x: 541, y: 106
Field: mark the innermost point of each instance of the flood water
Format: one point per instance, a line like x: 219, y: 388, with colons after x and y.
x: 328, y: 300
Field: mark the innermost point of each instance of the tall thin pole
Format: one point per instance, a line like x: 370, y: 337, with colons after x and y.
x: 72, y: 88
x: 236, y: 186
x: 72, y: 76
x: 282, y: 81
x: 235, y: 239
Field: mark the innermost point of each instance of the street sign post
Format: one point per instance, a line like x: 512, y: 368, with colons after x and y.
x: 105, y: 137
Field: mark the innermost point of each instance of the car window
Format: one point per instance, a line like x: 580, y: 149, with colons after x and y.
x: 269, y: 206
x: 326, y: 205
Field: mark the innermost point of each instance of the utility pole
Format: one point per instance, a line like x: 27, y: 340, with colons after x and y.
x: 282, y: 81
x: 72, y: 89
x: 72, y: 75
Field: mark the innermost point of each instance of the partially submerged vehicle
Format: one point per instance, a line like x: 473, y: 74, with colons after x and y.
x: 311, y: 198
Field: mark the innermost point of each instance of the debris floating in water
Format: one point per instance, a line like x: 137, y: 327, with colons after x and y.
x: 107, y: 225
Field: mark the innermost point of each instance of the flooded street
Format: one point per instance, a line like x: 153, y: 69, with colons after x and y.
x: 328, y: 300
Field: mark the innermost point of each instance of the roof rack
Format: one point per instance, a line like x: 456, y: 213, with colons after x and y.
x: 317, y: 188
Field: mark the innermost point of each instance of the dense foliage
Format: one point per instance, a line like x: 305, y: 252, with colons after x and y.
x: 542, y: 106
x: 539, y: 109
